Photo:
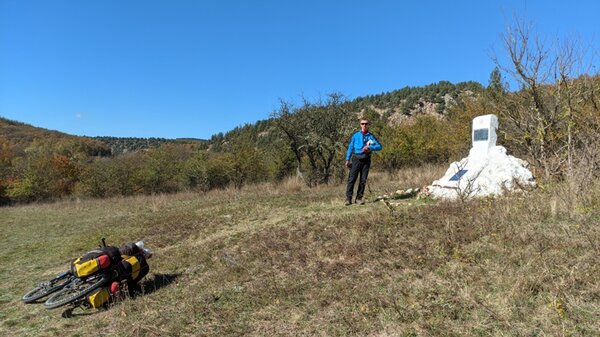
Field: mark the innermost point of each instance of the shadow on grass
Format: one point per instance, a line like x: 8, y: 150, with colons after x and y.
x: 159, y: 281
x: 144, y: 288
x: 68, y: 313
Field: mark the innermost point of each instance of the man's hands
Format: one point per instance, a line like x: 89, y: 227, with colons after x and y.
x: 366, y: 149
x: 348, y: 164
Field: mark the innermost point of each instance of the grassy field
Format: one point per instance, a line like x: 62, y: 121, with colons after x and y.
x: 292, y: 261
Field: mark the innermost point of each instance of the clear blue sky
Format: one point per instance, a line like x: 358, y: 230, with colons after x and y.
x: 195, y: 68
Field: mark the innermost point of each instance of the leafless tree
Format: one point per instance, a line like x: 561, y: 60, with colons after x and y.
x: 549, y: 118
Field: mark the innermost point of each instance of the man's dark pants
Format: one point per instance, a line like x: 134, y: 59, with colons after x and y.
x: 358, y: 166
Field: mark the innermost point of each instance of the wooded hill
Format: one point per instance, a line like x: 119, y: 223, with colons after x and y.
x: 411, y: 100
x: 121, y: 145
x: 20, y: 136
x: 392, y: 108
x: 408, y: 101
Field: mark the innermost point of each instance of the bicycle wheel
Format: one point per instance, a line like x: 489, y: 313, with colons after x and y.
x: 47, y: 287
x: 77, y: 289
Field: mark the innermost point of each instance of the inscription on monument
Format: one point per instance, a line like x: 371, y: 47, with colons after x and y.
x: 480, y: 134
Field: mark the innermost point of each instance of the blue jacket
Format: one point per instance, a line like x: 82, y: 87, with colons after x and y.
x: 358, y: 141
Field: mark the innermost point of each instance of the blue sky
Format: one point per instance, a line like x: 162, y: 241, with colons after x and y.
x: 195, y: 68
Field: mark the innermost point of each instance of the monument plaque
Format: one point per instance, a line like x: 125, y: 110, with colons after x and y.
x: 484, y: 135
x: 488, y: 170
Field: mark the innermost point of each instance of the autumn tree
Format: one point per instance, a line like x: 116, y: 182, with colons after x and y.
x: 6, y: 155
x: 42, y: 173
x: 317, y: 133
x: 162, y: 169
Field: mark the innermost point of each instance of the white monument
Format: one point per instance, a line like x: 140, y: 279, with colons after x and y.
x: 487, y: 171
x: 483, y: 135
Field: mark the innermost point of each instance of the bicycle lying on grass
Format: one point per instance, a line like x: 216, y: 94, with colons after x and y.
x: 95, y: 278
x: 48, y: 287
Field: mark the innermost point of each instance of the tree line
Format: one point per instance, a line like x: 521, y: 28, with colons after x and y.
x: 121, y: 145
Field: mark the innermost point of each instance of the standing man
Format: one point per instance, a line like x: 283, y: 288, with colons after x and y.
x: 361, y: 145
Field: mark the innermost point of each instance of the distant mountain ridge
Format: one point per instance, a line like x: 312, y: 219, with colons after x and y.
x: 21, y: 136
x: 394, y: 107
x: 434, y: 99
x: 121, y: 145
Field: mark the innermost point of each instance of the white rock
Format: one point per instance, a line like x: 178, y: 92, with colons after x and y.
x: 491, y: 175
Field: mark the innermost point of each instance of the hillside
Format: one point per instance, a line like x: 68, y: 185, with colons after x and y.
x: 121, y: 145
x: 285, y: 260
x: 391, y: 108
x: 433, y: 99
x: 20, y: 136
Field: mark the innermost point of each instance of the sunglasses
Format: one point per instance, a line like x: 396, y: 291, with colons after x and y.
x: 364, y: 123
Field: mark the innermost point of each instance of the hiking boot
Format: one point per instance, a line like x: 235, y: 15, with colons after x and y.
x: 348, y: 202
x: 360, y: 201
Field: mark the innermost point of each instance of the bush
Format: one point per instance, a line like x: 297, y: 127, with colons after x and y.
x: 41, y: 175
x: 161, y: 171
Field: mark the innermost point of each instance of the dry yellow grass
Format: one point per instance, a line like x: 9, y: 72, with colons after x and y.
x: 292, y: 261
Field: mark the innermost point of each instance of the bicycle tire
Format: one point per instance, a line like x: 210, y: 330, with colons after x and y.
x: 48, y: 287
x: 76, y: 290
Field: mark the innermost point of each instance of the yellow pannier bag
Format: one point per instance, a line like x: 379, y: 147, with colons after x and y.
x: 134, y: 264
x: 90, y: 264
x: 99, y: 298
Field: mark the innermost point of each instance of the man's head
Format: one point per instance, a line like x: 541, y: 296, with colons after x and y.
x: 364, y: 125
